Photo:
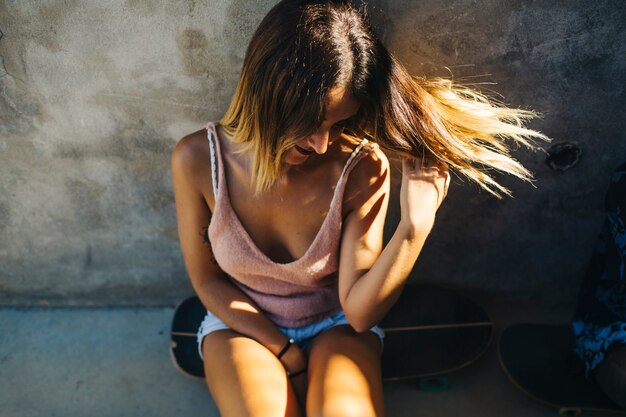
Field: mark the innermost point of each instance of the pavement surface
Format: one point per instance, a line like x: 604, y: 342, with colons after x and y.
x: 101, y: 362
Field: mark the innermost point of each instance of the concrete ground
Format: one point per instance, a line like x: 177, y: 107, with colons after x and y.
x: 115, y: 362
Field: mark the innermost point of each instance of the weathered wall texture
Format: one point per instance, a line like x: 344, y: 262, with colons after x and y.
x: 94, y: 95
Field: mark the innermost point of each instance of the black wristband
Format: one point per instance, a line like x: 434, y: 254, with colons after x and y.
x: 285, y: 348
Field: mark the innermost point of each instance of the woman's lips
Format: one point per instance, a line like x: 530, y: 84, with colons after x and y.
x: 304, y: 151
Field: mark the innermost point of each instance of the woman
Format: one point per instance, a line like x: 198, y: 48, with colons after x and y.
x: 281, y: 208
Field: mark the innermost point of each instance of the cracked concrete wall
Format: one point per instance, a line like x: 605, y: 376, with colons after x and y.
x: 94, y: 95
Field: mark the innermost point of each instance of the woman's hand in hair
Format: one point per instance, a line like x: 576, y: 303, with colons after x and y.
x: 425, y: 184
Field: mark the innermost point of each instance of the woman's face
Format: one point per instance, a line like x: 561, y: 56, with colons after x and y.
x: 340, y: 107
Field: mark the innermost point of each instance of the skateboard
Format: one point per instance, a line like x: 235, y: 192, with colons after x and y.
x: 429, y: 332
x: 539, y: 360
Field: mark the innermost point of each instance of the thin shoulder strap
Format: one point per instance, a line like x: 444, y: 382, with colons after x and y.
x: 364, y: 144
x: 211, y: 137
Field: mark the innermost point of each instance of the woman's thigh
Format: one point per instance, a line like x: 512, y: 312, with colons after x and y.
x: 246, y: 379
x: 344, y: 375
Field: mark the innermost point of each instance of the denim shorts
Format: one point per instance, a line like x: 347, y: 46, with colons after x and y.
x: 302, y: 336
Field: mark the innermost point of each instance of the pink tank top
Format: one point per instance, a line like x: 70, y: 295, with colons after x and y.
x: 292, y: 294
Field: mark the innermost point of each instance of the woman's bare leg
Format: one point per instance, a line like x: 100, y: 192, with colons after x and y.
x: 344, y: 375
x: 245, y: 379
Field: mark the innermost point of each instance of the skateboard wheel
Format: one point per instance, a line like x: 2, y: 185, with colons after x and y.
x: 434, y: 384
x: 570, y: 412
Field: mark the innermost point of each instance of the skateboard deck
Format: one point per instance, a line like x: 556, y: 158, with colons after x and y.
x: 540, y: 361
x: 430, y: 331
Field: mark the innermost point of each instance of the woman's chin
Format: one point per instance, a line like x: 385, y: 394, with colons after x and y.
x: 294, y: 157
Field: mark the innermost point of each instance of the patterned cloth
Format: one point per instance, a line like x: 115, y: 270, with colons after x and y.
x: 600, y: 319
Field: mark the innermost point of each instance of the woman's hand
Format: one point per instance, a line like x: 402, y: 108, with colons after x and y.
x: 299, y: 384
x: 424, y: 186
x: 294, y: 360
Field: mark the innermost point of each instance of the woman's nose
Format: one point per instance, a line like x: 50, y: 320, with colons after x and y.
x: 319, y: 140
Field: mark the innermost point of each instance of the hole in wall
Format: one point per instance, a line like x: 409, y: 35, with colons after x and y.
x: 563, y: 156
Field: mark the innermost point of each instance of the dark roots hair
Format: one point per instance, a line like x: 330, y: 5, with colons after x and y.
x: 302, y: 49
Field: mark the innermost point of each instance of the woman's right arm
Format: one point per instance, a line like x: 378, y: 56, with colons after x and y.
x: 191, y: 175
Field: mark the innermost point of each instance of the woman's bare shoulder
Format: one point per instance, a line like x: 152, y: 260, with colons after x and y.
x: 191, y: 149
x: 191, y: 163
x: 370, y: 177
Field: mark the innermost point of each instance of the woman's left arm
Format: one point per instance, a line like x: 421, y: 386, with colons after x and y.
x: 371, y: 277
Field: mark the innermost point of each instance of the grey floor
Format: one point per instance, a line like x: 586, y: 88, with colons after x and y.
x: 115, y: 362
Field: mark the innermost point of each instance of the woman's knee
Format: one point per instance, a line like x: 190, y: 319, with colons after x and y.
x: 245, y: 379
x: 344, y: 375
x: 345, y: 406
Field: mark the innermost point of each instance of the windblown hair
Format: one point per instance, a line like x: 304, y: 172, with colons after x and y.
x: 302, y: 49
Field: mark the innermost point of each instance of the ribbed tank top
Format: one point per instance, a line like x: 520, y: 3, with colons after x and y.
x: 292, y: 294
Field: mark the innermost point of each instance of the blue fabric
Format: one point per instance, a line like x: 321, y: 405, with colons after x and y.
x: 302, y: 336
x: 600, y: 319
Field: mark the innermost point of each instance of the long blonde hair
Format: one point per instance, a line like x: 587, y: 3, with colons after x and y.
x: 302, y: 49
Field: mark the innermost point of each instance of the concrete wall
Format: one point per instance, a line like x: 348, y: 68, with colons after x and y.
x: 94, y: 95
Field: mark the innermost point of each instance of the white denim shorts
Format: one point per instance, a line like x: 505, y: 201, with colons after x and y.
x: 302, y: 336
